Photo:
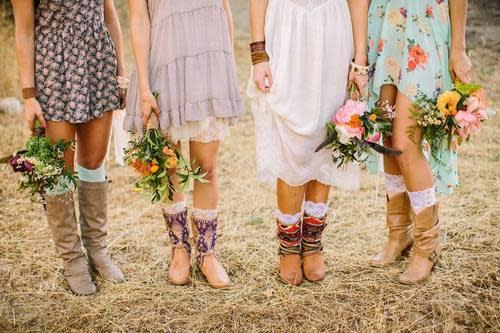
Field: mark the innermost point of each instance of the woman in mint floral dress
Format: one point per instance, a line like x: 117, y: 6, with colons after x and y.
x: 416, y: 48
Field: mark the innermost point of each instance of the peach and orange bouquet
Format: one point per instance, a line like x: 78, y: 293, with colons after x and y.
x: 451, y: 117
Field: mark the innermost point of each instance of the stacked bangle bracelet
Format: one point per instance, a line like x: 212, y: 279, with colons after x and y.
x: 359, y: 70
x: 122, y: 82
x: 258, y: 52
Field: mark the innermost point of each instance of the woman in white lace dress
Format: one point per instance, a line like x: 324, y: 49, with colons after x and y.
x: 302, y: 51
x: 184, y: 52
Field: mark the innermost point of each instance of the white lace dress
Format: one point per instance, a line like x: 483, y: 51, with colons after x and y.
x: 310, y: 46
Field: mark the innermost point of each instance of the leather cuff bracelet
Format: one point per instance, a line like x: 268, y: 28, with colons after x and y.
x: 258, y: 52
x: 29, y: 93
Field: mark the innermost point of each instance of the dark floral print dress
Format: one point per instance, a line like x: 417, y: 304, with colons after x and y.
x: 75, y: 61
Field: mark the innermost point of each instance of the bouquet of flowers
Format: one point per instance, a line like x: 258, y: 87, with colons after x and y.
x: 355, y: 129
x: 155, y: 158
x: 452, y: 117
x: 41, y: 164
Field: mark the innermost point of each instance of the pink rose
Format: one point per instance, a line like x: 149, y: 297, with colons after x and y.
x: 347, y: 120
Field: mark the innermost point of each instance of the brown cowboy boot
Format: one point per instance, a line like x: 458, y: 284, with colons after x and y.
x: 290, y: 238
x: 63, y: 225
x: 178, y: 232
x: 92, y: 198
x: 427, y: 247
x: 313, y: 260
x: 208, y: 262
x: 400, y: 238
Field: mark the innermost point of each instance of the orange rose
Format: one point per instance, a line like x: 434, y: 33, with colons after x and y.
x: 154, y: 168
x: 355, y: 122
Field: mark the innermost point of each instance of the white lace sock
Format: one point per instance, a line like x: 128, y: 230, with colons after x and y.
x: 394, y: 184
x: 205, y: 214
x: 286, y: 219
x: 422, y: 199
x: 317, y: 210
x: 175, y: 207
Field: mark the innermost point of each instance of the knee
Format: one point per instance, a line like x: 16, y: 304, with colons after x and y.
x: 410, y: 152
x: 91, y: 164
x: 209, y: 168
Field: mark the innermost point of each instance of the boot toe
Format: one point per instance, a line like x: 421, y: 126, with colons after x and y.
x: 114, y: 274
x: 178, y: 277
x: 81, y: 286
x: 293, y: 279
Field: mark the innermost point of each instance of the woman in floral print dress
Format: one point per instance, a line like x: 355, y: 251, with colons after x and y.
x: 416, y: 48
x: 70, y: 59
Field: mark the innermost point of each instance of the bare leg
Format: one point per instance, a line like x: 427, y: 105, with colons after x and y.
x: 205, y: 201
x: 412, y: 163
x: 388, y: 95
x: 62, y: 131
x: 93, y: 140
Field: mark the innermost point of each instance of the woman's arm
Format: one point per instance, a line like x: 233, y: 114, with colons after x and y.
x: 230, y: 22
x: 460, y: 65
x: 113, y: 24
x: 262, y: 76
x: 140, y: 28
x: 359, y: 18
x: 24, y: 15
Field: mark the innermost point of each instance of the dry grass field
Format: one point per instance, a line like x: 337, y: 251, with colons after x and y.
x: 463, y: 294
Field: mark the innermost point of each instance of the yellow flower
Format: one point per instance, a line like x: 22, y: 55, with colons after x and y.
x: 171, y: 162
x: 154, y: 168
x: 373, y: 117
x: 447, y: 103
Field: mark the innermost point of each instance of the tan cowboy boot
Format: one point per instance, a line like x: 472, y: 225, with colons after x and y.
x: 63, y: 225
x: 427, y: 247
x: 208, y: 262
x: 92, y: 198
x: 178, y: 232
x: 313, y: 260
x: 400, y: 238
x: 290, y: 238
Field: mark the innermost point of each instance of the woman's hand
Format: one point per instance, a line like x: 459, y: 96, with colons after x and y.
x: 262, y: 77
x: 149, y: 105
x: 460, y: 66
x: 32, y: 111
x: 360, y: 80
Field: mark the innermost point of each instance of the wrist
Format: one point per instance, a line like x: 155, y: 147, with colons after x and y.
x: 458, y: 47
x: 360, y: 59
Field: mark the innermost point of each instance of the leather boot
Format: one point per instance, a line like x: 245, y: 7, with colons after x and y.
x: 63, y: 225
x: 290, y: 248
x: 208, y: 261
x: 92, y: 198
x: 399, y: 223
x: 313, y: 260
x: 178, y: 232
x: 427, y: 247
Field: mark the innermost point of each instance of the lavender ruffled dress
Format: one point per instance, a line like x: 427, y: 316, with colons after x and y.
x: 192, y: 66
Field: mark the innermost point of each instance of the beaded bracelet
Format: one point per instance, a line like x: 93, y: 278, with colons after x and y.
x: 122, y: 82
x: 358, y: 69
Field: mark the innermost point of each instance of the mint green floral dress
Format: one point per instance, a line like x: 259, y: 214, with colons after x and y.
x: 408, y: 46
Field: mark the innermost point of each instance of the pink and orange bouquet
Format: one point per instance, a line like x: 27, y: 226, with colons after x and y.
x: 452, y: 117
x: 354, y: 129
